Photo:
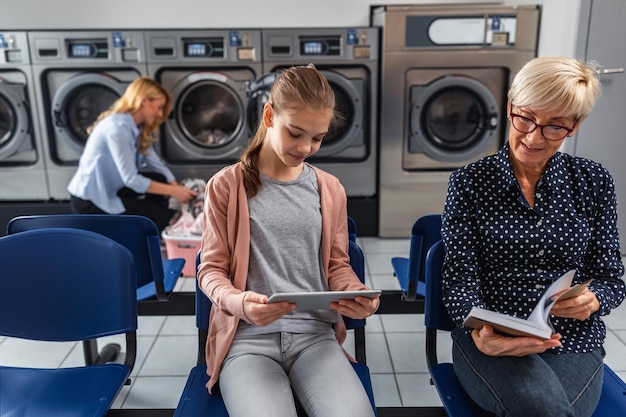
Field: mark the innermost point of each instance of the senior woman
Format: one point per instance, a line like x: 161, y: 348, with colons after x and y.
x: 513, y: 223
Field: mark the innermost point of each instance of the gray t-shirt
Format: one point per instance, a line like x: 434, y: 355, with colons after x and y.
x: 285, y: 238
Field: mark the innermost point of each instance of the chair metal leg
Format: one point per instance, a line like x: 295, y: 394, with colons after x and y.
x: 108, y: 353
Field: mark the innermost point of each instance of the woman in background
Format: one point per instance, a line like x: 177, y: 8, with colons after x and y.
x: 273, y: 223
x: 119, y: 146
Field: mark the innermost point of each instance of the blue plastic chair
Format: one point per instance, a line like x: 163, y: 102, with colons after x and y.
x: 351, y: 229
x: 63, y: 285
x: 156, y: 277
x: 195, y: 400
x: 454, y: 398
x: 613, y: 397
x: 410, y: 271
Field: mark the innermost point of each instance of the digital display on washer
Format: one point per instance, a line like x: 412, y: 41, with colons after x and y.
x: 88, y: 48
x: 203, y: 47
x: 320, y: 46
x: 196, y: 49
x: 312, y: 48
x: 80, y: 50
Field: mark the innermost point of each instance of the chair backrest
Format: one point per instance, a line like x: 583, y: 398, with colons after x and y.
x: 351, y: 229
x: 203, y: 304
x: 436, y: 316
x: 137, y: 233
x: 357, y: 261
x: 67, y: 285
x: 203, y: 312
x: 425, y: 232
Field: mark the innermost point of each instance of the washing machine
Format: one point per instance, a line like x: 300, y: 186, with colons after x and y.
x: 22, y: 168
x: 350, y: 60
x: 79, y: 74
x: 207, y: 72
x: 446, y: 71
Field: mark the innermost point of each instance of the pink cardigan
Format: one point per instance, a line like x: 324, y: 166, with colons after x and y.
x: 223, y: 265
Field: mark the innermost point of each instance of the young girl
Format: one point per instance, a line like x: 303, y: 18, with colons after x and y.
x: 274, y: 223
x: 119, y: 144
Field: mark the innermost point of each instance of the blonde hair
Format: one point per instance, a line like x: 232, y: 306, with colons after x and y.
x: 295, y: 88
x: 555, y: 83
x: 130, y: 102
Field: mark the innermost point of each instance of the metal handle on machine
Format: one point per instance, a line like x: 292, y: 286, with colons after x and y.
x: 59, y: 118
x: 611, y: 71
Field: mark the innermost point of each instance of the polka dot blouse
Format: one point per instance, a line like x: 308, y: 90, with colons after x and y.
x: 501, y: 253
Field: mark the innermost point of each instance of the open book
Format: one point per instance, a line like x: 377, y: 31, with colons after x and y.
x: 538, y: 323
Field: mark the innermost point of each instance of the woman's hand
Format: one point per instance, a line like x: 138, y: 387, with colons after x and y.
x: 494, y: 344
x: 580, y: 307
x: 259, y: 312
x: 359, y: 308
x: 182, y: 193
x: 179, y: 192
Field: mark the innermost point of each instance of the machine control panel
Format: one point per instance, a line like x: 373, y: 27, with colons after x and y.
x: 321, y: 44
x: 203, y: 46
x: 429, y: 31
x: 97, y: 46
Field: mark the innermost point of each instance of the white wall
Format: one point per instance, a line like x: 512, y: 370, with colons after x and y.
x: 557, y: 37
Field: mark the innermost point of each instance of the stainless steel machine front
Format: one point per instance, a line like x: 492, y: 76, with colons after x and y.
x: 207, y: 72
x: 349, y: 57
x: 22, y: 167
x: 445, y: 74
x: 79, y: 74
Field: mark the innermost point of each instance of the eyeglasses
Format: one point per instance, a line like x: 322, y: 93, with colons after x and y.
x: 550, y: 132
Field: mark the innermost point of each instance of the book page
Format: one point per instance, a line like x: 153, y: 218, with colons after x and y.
x: 538, y: 323
x: 509, y: 325
x: 542, y: 310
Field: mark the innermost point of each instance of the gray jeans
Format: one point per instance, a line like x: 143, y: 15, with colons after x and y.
x: 261, y: 374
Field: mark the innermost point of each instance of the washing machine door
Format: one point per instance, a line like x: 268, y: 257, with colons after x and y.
x: 14, y: 121
x: 452, y: 119
x: 78, y: 102
x: 347, y: 132
x: 209, y: 115
x: 258, y: 92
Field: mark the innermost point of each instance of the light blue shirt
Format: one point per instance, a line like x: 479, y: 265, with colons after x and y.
x: 111, y: 161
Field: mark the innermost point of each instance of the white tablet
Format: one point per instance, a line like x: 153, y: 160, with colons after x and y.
x: 319, y: 300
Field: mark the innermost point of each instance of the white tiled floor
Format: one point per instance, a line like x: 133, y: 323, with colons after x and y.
x: 167, y: 347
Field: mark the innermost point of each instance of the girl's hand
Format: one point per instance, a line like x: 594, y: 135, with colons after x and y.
x: 494, y: 344
x: 359, y: 308
x: 259, y: 312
